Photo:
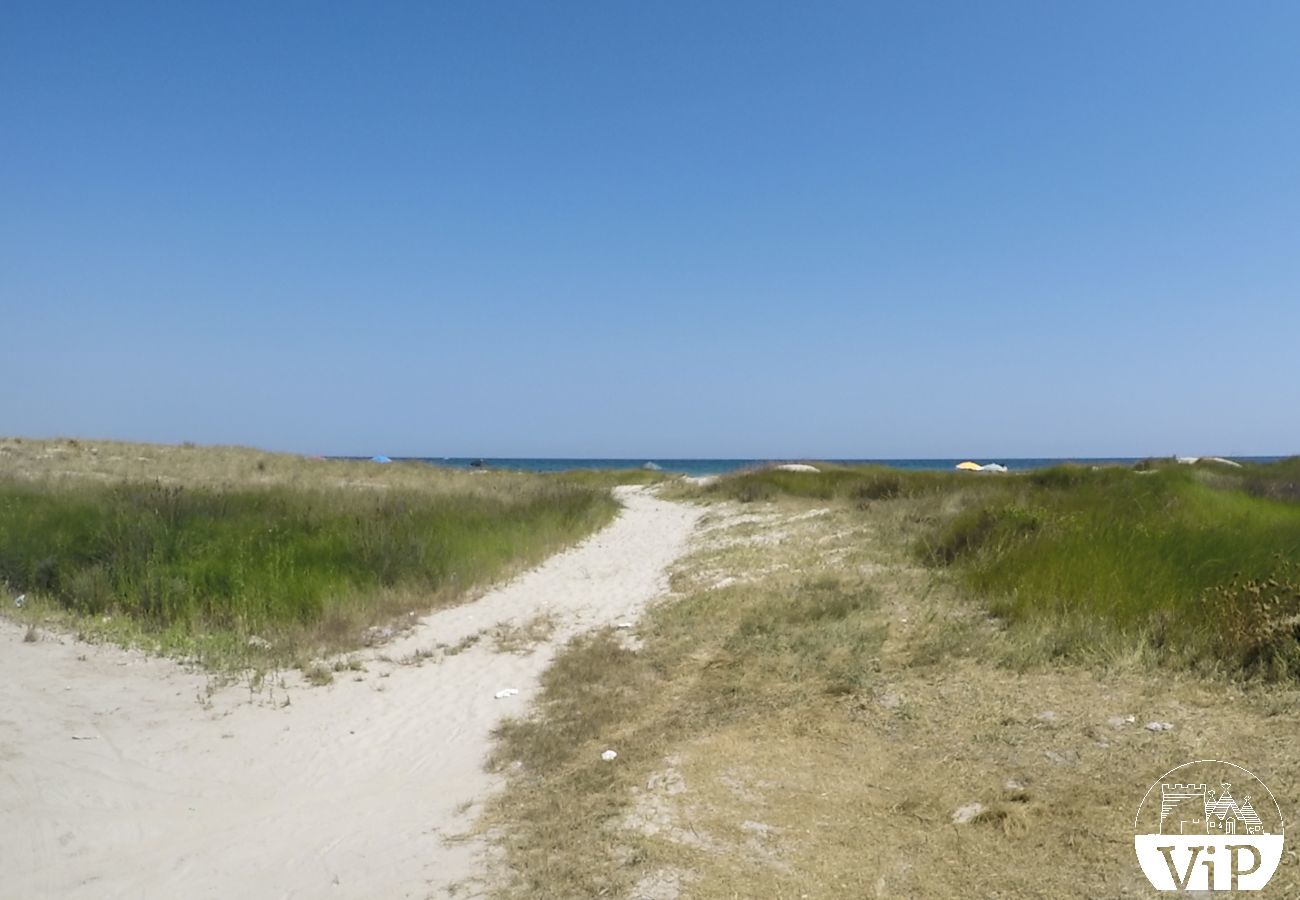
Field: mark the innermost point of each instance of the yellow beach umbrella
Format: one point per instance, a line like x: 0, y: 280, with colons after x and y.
x: 968, y: 466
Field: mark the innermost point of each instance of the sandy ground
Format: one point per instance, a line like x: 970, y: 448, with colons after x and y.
x: 119, y: 777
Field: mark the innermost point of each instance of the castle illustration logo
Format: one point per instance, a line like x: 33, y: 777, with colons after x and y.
x: 1209, y: 825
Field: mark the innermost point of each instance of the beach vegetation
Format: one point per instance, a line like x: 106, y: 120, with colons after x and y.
x: 1194, y: 562
x: 264, y: 568
x: 955, y: 664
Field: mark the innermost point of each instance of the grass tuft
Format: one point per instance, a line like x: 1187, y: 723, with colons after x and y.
x: 318, y: 674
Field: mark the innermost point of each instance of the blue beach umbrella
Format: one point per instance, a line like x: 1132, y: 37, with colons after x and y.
x: 380, y: 459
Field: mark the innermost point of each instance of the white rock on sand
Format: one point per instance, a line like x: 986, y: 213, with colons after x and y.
x: 348, y: 792
x: 968, y: 813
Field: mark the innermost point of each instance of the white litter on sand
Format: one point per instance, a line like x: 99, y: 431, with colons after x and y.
x: 506, y: 692
x: 609, y: 756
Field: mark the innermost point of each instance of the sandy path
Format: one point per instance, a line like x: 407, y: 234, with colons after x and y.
x: 116, y: 781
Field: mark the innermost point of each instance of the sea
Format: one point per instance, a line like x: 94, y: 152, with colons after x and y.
x: 697, y: 467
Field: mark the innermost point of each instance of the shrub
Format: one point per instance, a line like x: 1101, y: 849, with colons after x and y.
x: 1258, y: 620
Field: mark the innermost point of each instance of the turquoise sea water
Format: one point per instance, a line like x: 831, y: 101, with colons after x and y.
x: 721, y: 466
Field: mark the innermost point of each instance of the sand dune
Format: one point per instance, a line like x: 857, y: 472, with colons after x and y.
x: 120, y: 778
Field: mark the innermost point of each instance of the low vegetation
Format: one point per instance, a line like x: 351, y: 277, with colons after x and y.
x: 1197, y: 569
x: 609, y: 478
x: 1197, y: 564
x: 275, y: 563
x: 886, y: 684
x: 830, y: 482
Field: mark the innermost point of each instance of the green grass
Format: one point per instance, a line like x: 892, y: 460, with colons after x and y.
x: 1199, y: 563
x: 291, y: 564
x: 1199, y: 569
x: 860, y: 483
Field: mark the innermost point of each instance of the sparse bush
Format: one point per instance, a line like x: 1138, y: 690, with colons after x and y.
x: 318, y: 674
x: 1258, y: 620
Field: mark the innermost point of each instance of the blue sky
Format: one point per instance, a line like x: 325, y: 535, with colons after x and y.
x: 654, y: 229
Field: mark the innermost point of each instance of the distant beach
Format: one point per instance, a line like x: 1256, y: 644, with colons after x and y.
x: 698, y: 467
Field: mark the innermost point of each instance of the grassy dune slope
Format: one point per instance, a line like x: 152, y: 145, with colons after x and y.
x: 196, y: 550
x: 1200, y: 564
x: 1197, y: 570
x: 824, y: 707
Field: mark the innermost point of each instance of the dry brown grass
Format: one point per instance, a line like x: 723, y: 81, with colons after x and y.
x: 226, y: 467
x: 801, y: 760
x: 523, y: 638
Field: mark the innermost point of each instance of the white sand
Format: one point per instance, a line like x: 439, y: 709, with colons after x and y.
x: 116, y: 781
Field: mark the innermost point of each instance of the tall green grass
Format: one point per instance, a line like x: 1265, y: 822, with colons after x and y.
x: 1196, y: 567
x: 279, y: 558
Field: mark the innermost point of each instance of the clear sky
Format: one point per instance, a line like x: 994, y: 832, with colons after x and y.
x: 654, y: 229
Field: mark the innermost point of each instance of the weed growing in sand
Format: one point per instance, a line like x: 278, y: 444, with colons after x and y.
x: 523, y: 638
x: 318, y: 674
x: 462, y: 645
